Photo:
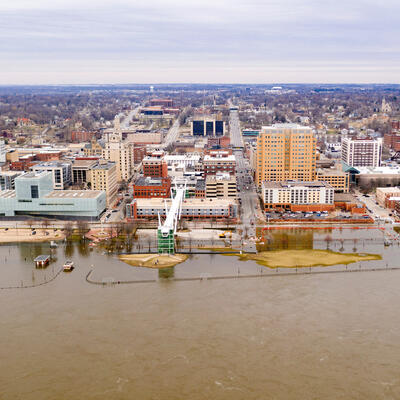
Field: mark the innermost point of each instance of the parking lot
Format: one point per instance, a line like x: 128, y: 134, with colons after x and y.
x: 312, y: 216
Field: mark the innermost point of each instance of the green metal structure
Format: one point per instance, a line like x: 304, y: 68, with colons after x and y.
x: 166, y: 244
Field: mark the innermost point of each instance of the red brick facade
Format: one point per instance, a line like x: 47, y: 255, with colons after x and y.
x: 392, y: 140
x: 81, y: 136
x: 155, y: 168
x: 148, y: 191
x: 162, y: 102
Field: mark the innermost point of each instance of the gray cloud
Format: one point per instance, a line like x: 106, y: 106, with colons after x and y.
x: 238, y: 35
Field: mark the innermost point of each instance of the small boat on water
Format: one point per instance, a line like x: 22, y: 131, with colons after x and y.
x: 68, y: 266
x: 53, y: 244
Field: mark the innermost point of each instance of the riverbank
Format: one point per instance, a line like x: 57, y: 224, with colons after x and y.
x: 153, y: 260
x: 13, y: 235
x: 305, y: 258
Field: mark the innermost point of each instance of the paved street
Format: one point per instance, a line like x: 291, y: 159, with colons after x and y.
x: 172, y: 134
x: 375, y: 210
x: 128, y: 119
x: 246, y: 190
x: 234, y: 126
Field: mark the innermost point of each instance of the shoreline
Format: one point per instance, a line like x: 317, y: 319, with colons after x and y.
x: 13, y: 235
x: 304, y: 258
x: 155, y: 261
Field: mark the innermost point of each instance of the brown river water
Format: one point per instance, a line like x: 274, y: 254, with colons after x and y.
x: 316, y: 336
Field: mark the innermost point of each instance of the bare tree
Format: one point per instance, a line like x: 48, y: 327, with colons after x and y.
x: 45, y: 223
x: 129, y: 229
x: 68, y: 229
x: 190, y: 242
x: 30, y: 223
x: 82, y: 227
x: 119, y: 228
x: 328, y: 240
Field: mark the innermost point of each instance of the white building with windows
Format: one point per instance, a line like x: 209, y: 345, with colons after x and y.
x: 3, y: 151
x: 289, y: 193
x: 362, y: 152
x: 182, y: 160
x: 62, y: 172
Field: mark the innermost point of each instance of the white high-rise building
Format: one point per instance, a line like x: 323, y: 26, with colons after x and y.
x: 362, y: 152
x: 3, y: 151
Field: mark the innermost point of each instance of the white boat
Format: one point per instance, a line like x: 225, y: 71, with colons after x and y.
x: 68, y: 266
x: 53, y: 244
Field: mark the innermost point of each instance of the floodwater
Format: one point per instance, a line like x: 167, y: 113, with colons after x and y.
x: 316, y: 336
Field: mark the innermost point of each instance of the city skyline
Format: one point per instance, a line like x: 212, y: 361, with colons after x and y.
x: 216, y: 42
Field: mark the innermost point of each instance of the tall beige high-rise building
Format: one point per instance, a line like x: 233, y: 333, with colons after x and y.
x: 104, y: 177
x: 285, y: 152
x: 121, y: 152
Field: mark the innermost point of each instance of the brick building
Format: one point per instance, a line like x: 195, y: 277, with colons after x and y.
x: 218, y: 141
x: 139, y: 153
x: 162, y: 102
x: 148, y: 187
x: 155, y: 166
x: 81, y: 136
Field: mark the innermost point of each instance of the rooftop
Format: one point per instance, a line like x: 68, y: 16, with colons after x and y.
x: 379, y: 170
x: 230, y: 157
x: 42, y: 257
x: 182, y: 157
x: 149, y: 181
x: 33, y: 174
x: 73, y: 194
x: 330, y: 171
x: 10, y: 173
x: 200, y: 184
x: 345, y: 198
x: 51, y: 164
x: 193, y: 202
x: 224, y: 176
x: 290, y: 184
x: 104, y: 164
x: 84, y: 163
x: 365, y: 139
x: 286, y: 126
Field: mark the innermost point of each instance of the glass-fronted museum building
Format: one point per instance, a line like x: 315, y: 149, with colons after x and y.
x: 34, y: 195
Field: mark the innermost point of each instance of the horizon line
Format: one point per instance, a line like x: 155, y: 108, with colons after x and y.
x: 200, y: 83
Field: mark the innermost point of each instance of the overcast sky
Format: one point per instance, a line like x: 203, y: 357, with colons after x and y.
x: 204, y: 41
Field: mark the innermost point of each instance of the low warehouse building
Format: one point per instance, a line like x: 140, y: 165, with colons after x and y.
x: 194, y: 208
